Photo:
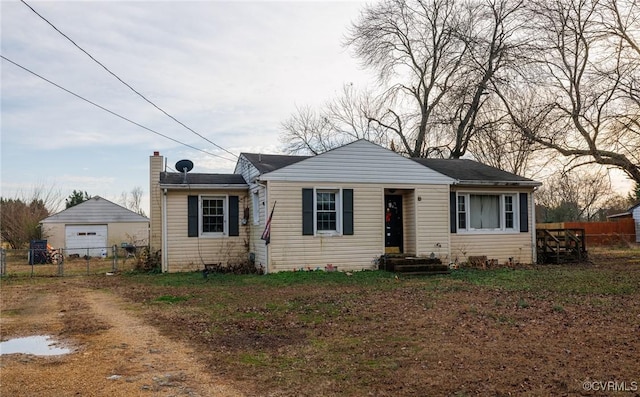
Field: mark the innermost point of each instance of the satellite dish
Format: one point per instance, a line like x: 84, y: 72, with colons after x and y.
x: 184, y: 166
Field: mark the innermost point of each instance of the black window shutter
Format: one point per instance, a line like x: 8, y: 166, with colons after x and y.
x: 524, y: 212
x: 347, y: 212
x: 453, y: 211
x: 234, y: 216
x: 307, y: 212
x: 192, y: 216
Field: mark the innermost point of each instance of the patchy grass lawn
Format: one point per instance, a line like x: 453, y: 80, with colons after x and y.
x: 544, y: 330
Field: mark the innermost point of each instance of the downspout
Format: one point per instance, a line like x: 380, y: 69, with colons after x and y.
x: 165, y: 265
x: 263, y: 185
x: 534, y: 248
x: 449, y: 247
x: 266, y: 217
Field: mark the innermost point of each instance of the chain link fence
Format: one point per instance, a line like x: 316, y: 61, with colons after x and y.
x: 49, y: 262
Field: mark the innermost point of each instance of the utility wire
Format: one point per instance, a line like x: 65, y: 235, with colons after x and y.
x: 110, y: 111
x: 123, y: 82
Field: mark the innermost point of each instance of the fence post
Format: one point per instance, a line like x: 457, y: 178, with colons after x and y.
x: 88, y: 258
x: 61, y: 262
x: 114, y: 258
x: 32, y: 260
x: 3, y: 261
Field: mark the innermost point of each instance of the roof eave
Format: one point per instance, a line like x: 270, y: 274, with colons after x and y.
x: 497, y: 183
x: 205, y: 186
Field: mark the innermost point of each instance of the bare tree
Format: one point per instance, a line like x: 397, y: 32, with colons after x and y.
x: 308, y: 131
x: 133, y: 200
x: 585, y: 82
x: 340, y: 121
x: 435, y: 59
x: 615, y: 204
x: 499, y: 144
x: 570, y: 196
x: 20, y: 216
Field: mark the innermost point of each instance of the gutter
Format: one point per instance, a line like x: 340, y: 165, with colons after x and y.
x: 203, y: 186
x: 497, y: 183
x: 534, y: 232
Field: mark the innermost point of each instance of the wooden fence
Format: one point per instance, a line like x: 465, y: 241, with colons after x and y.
x: 600, y: 233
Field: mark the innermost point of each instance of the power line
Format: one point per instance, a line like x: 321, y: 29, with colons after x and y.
x: 123, y: 82
x: 111, y: 111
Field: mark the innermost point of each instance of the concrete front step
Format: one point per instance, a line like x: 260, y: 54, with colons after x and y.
x: 412, y: 265
x: 425, y: 273
x: 420, y: 268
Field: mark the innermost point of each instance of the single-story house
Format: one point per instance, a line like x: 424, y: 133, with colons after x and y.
x: 94, y: 225
x: 344, y: 208
x: 635, y: 214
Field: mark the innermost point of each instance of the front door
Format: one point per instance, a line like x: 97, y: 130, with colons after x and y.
x: 393, y: 224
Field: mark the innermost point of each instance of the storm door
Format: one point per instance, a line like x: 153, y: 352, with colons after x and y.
x: 393, y: 224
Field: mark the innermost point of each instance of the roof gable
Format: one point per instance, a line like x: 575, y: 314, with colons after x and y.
x: 359, y: 161
x: 95, y: 210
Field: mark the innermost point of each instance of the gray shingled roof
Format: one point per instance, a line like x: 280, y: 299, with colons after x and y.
x: 471, y: 171
x: 461, y: 169
x: 270, y: 162
x: 177, y: 178
x: 95, y: 210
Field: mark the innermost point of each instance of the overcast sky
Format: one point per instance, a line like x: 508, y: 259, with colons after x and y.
x: 231, y: 71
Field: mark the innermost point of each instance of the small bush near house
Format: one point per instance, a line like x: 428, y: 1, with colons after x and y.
x: 148, y: 262
x: 244, y: 267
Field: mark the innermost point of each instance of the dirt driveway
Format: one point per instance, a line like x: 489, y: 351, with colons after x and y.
x: 114, y: 352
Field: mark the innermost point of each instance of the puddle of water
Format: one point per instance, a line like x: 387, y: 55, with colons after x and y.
x: 39, y: 345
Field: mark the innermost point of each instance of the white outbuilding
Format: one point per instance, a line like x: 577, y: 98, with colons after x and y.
x: 94, y: 226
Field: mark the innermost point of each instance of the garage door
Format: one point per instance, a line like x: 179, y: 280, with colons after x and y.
x: 79, y: 238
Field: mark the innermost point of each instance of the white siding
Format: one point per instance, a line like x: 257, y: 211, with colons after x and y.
x: 409, y: 222
x: 433, y: 221
x: 191, y: 253
x: 425, y: 224
x: 358, y: 162
x: 246, y: 169
x: 256, y: 244
x: 496, y: 245
x: 290, y: 250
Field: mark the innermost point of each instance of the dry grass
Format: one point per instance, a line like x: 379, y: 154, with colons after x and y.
x: 538, y: 331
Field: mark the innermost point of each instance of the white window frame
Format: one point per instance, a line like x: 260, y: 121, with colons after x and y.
x: 338, y: 209
x: 515, y: 210
x: 225, y: 210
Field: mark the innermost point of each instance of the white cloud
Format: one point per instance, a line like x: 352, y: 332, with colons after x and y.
x: 232, y: 71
